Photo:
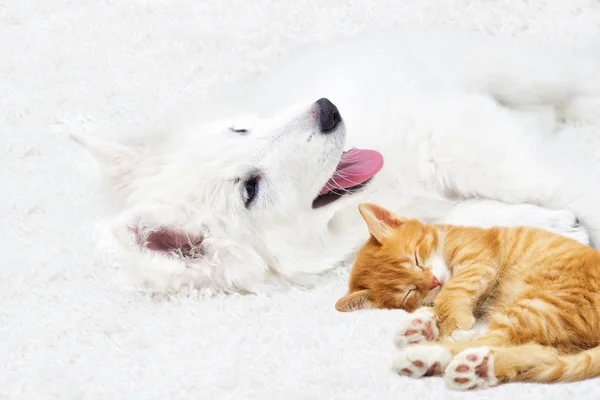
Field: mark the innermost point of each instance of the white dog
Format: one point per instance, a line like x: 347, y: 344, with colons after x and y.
x: 455, y: 129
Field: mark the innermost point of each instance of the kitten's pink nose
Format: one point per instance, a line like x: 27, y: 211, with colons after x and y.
x: 434, y: 283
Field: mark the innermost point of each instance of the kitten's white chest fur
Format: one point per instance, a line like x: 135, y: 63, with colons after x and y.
x: 440, y: 269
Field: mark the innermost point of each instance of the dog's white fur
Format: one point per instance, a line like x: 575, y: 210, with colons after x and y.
x: 467, y: 127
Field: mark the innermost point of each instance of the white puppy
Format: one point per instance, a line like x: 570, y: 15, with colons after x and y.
x: 443, y: 128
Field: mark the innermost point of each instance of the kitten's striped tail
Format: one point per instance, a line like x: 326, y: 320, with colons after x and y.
x: 545, y: 365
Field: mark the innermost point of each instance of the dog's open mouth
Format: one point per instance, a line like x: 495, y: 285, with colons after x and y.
x: 353, y: 172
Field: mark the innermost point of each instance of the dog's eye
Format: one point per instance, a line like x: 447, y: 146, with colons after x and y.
x: 236, y: 130
x: 250, y: 190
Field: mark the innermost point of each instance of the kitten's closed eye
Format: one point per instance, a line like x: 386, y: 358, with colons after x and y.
x: 409, y: 293
x: 417, y: 260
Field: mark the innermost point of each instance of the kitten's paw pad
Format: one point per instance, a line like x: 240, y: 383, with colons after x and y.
x: 421, y: 360
x: 418, y: 327
x: 471, y: 369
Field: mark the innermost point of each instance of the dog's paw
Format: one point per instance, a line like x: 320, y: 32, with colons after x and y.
x: 471, y: 369
x: 417, y: 327
x: 422, y: 360
x: 564, y: 222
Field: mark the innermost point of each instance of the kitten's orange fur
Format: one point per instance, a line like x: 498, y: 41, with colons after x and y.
x: 538, y: 292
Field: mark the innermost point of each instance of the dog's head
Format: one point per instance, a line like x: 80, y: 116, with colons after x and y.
x: 226, y: 204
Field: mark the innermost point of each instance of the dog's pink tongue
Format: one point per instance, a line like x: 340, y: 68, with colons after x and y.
x: 355, y: 167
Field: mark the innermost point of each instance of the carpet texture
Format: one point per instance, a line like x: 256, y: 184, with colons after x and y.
x: 71, y: 325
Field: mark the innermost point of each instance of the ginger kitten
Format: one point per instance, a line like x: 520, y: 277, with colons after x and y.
x: 536, y: 293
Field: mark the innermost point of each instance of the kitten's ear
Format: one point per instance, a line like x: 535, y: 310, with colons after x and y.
x: 354, y: 301
x: 380, y: 221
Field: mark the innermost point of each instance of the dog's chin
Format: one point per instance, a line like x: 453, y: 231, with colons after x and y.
x: 328, y: 198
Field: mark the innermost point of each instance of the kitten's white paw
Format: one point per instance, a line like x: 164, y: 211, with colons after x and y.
x: 461, y: 335
x: 417, y: 327
x: 422, y: 360
x: 471, y: 369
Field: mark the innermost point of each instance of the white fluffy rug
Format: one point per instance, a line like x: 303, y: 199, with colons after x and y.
x: 71, y: 325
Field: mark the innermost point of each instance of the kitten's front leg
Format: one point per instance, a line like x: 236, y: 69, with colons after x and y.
x: 455, y: 303
x: 459, y: 319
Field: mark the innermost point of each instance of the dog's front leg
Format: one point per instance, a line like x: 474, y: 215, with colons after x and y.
x: 489, y: 213
x: 515, y: 166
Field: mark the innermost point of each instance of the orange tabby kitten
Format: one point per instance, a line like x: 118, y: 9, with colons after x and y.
x: 537, y: 294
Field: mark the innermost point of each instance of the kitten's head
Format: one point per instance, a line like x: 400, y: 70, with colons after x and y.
x: 400, y: 266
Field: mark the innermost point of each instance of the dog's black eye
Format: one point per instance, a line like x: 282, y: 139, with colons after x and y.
x: 242, y: 131
x: 250, y: 190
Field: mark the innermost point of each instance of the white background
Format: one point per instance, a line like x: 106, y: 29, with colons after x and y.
x: 71, y: 326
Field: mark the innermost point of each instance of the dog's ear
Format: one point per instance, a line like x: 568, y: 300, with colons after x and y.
x: 119, y: 161
x: 170, y: 252
x: 381, y: 222
x: 159, y: 247
x: 169, y: 241
x: 354, y: 301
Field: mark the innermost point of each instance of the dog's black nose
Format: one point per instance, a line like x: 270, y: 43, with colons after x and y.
x: 329, y: 116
